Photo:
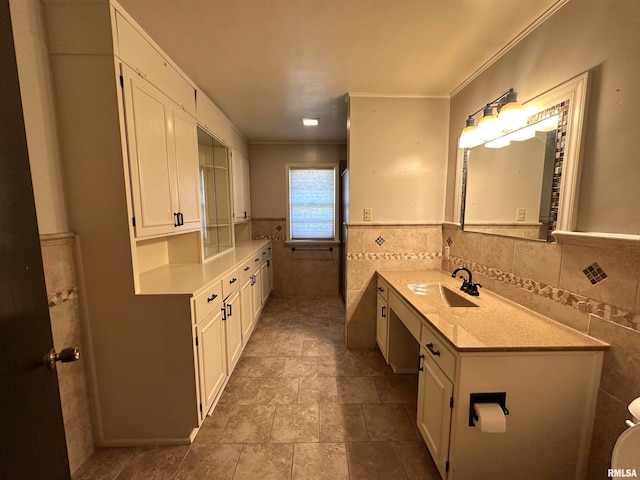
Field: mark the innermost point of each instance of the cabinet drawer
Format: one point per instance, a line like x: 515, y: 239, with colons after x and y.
x: 148, y: 62
x: 208, y: 300
x: 383, y: 288
x: 438, y: 351
x: 247, y: 269
x: 229, y: 283
x: 409, y: 318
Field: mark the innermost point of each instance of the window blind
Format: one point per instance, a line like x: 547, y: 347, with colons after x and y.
x: 312, y: 203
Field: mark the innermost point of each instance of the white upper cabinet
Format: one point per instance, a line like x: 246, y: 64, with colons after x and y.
x: 241, y: 187
x: 213, y: 120
x: 162, y: 145
x: 142, y: 56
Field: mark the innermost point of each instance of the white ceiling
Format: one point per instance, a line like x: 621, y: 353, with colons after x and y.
x: 267, y: 63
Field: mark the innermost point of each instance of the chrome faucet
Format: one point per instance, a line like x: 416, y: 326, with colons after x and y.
x: 468, y: 286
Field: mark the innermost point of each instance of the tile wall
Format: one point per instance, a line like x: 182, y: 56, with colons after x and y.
x: 62, y: 294
x: 299, y: 273
x: 372, y: 247
x: 555, y: 280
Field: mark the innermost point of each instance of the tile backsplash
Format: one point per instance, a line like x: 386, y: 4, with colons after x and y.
x: 299, y: 273
x: 374, y: 246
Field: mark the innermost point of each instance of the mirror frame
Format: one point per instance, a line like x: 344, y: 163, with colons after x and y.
x: 568, y: 98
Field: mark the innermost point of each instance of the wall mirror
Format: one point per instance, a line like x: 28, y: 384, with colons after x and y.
x: 525, y: 184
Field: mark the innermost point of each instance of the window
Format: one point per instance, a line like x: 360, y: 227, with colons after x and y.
x: 312, y: 193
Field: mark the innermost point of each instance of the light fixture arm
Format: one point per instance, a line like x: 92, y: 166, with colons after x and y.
x: 506, y: 97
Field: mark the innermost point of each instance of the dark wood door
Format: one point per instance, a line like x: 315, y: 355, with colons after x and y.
x: 31, y: 429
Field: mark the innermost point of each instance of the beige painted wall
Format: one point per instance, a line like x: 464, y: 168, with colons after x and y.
x: 267, y: 166
x: 39, y: 115
x: 397, y: 151
x: 583, y: 35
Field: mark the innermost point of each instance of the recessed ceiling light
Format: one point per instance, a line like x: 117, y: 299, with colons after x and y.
x: 310, y: 122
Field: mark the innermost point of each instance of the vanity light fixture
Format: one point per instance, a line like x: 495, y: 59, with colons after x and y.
x: 310, y: 122
x: 511, y: 116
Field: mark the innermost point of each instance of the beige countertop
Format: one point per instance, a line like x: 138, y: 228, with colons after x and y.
x: 190, y: 278
x: 495, y: 325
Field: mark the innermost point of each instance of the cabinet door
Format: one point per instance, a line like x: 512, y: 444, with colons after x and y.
x: 211, y: 357
x: 147, y: 113
x: 241, y: 187
x: 256, y: 294
x: 435, y: 392
x: 264, y: 270
x: 233, y: 329
x: 186, y: 168
x: 246, y: 310
x: 246, y: 187
x: 382, y: 326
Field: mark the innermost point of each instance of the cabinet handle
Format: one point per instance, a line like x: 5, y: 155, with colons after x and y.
x: 233, y: 280
x: 224, y: 313
x: 433, y: 350
x: 246, y: 268
x: 229, y: 310
x: 257, y: 260
x: 384, y: 312
x: 380, y: 289
x: 212, y: 298
x: 268, y: 263
x: 176, y: 219
x: 245, y: 214
x: 420, y: 359
x: 253, y: 279
x: 180, y: 214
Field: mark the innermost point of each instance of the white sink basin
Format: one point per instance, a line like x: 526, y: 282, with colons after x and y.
x: 450, y: 297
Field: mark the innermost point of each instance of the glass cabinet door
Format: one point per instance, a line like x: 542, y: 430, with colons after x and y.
x: 215, y: 195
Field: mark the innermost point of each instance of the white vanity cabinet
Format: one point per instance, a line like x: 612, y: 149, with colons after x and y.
x: 241, y: 187
x: 158, y: 346
x: 382, y: 318
x: 163, y: 152
x: 543, y: 375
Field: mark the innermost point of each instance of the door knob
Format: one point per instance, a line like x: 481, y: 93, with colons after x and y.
x: 69, y: 354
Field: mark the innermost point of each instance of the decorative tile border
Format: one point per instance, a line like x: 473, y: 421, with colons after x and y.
x: 584, y: 304
x: 270, y: 237
x: 394, y: 256
x: 59, y: 298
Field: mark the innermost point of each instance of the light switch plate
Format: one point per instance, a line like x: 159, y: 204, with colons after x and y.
x: 366, y: 215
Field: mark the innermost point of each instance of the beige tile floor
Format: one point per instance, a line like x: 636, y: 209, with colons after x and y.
x: 299, y: 405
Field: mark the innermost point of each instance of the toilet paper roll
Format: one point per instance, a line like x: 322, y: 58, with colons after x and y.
x: 490, y: 417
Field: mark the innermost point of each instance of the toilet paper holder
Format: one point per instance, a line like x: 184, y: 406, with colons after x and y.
x: 494, y: 397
